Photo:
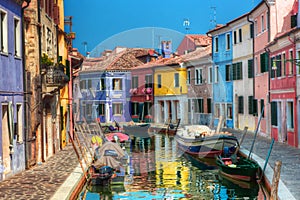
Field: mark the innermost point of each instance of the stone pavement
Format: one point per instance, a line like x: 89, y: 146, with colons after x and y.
x: 290, y: 157
x: 41, y: 181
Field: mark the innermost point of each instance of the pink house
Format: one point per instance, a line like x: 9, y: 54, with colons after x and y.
x: 283, y: 95
x: 191, y: 42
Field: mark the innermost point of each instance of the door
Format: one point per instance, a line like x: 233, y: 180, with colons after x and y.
x: 5, y: 157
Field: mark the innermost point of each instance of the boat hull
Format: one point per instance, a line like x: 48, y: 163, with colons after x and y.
x: 244, y: 170
x: 206, y: 146
x: 141, y: 131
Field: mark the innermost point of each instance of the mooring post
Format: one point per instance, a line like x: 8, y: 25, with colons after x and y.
x: 275, y: 180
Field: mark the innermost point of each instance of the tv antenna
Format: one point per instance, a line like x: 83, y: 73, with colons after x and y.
x: 85, y: 47
x: 186, y: 24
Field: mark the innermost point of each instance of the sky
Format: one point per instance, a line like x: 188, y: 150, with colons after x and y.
x: 101, y: 25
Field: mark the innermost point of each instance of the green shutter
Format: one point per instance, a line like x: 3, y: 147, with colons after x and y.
x: 250, y: 69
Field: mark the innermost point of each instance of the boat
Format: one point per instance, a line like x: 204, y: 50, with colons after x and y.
x: 238, y: 168
x: 137, y: 130
x: 168, y: 128
x: 200, y: 141
x: 117, y: 137
x: 108, y: 159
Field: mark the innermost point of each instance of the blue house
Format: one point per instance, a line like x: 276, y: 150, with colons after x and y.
x: 105, y: 83
x: 222, y: 75
x: 12, y: 142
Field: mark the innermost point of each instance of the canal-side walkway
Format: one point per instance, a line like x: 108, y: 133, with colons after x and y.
x: 289, y: 187
x: 56, y: 178
x: 43, y: 181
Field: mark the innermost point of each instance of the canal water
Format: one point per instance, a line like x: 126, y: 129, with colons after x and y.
x: 158, y: 170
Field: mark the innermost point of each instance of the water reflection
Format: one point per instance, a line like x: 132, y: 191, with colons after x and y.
x: 158, y: 170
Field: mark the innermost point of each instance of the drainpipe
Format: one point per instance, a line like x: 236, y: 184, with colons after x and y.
x: 253, y: 55
x: 269, y: 32
x: 40, y: 89
x: 26, y: 134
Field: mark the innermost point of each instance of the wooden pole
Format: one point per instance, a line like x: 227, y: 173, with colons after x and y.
x: 275, y: 181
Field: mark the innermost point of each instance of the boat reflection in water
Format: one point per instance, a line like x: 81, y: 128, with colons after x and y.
x: 159, y: 170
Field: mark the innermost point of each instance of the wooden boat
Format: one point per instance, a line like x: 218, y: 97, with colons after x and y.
x: 108, y: 159
x: 241, y: 168
x: 168, y: 128
x: 200, y: 141
x: 137, y: 130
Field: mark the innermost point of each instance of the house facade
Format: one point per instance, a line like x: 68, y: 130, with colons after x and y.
x: 242, y: 72
x: 105, y: 84
x: 13, y: 139
x: 222, y: 82
x: 283, y: 80
x: 191, y: 42
x: 170, y: 92
x: 199, y: 84
x: 45, y: 76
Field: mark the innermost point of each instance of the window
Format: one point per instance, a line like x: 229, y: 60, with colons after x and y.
x: 216, y: 74
x: 189, y: 105
x: 262, y: 23
x: 147, y: 108
x: 210, y: 74
x: 290, y: 115
x: 276, y: 66
x: 283, y: 64
x: 19, y: 125
x: 250, y: 69
x: 250, y: 105
x: 298, y: 57
x: 227, y: 41
x: 159, y: 81
x: 3, y: 32
x: 188, y: 81
x: 241, y: 105
x: 255, y: 108
x: 217, y: 110
x: 198, y: 105
x: 234, y: 37
x: 229, y: 111
x: 255, y: 28
x: 274, y: 120
x: 135, y: 82
x: 293, y: 21
x: 228, y: 73
x: 148, y: 79
x: 209, y: 105
x: 198, y: 77
x: 88, y: 110
x: 101, y: 109
x: 17, y: 37
x: 134, y: 108
x: 176, y: 80
x: 216, y: 44
x: 117, y: 84
x: 264, y: 61
x: 117, y: 108
x: 102, y: 84
x: 237, y: 71
x: 262, y: 109
x: 240, y: 35
x: 291, y: 71
x: 82, y: 84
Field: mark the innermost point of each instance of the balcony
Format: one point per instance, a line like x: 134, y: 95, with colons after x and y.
x: 55, y: 76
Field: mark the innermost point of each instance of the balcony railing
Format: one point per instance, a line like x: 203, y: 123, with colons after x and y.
x: 55, y: 76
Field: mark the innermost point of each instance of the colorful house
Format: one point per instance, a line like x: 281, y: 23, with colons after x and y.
x: 222, y: 81
x: 170, y: 91
x: 13, y: 139
x: 199, y: 84
x: 242, y: 72
x: 283, y: 81
x: 141, y: 91
x: 105, y: 85
x: 191, y: 42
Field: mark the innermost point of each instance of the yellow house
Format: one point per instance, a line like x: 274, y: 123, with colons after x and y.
x: 64, y: 92
x: 170, y: 91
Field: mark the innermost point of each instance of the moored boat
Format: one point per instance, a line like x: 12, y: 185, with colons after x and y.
x: 109, y: 158
x: 200, y: 141
x: 137, y: 130
x: 243, y: 169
